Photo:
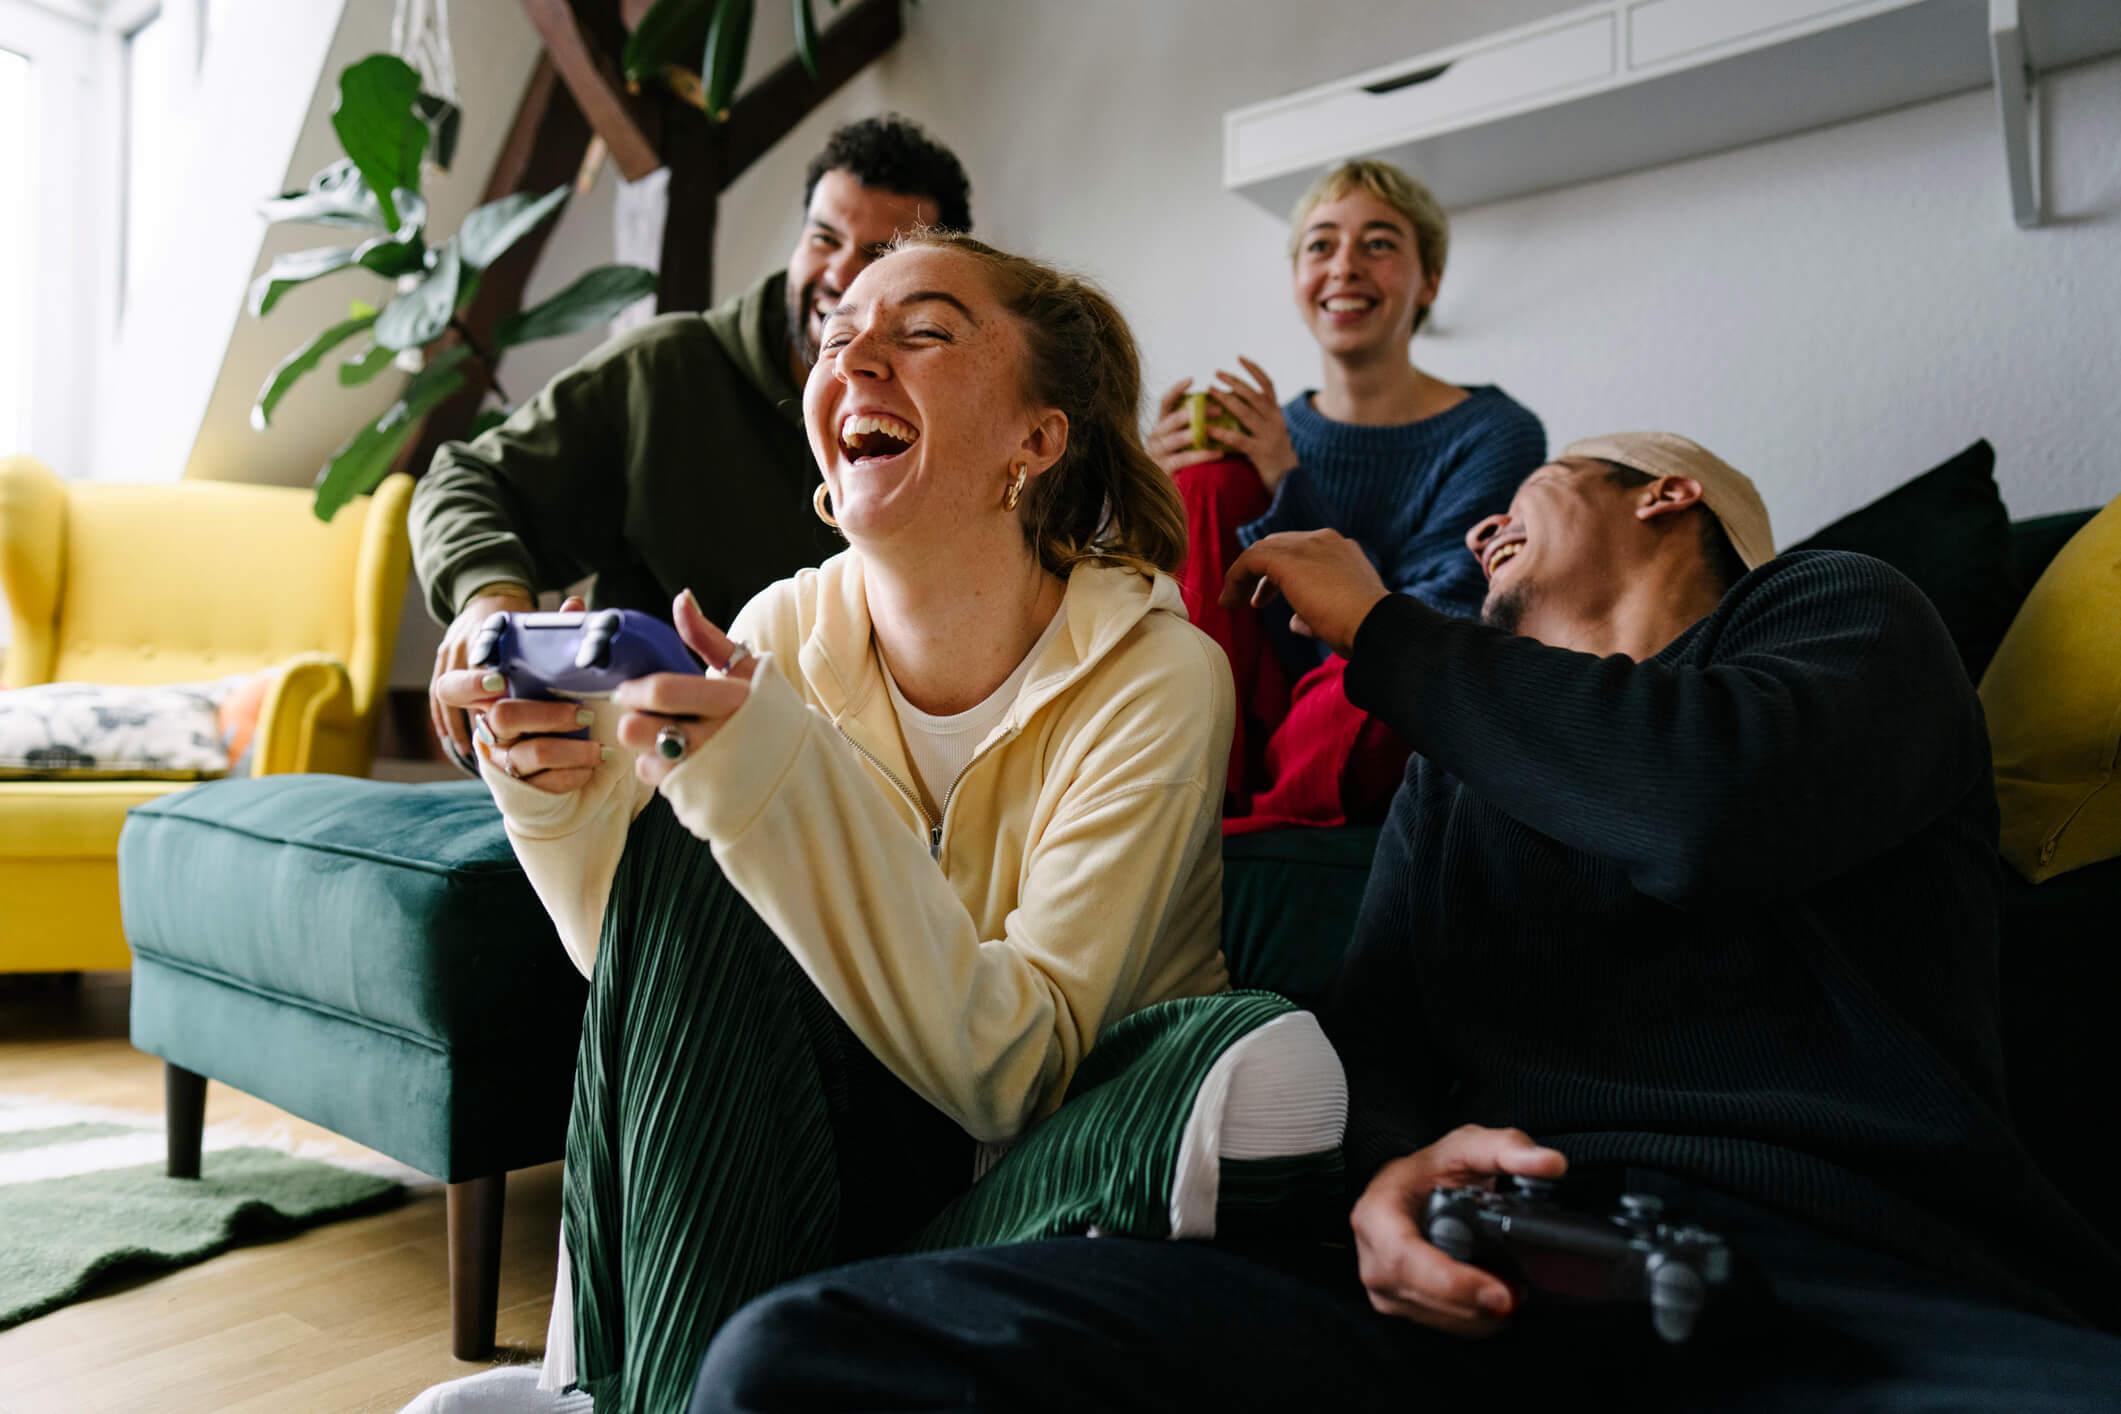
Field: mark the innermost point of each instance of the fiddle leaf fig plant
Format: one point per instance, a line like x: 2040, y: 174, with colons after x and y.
x: 390, y: 129
x: 713, y: 34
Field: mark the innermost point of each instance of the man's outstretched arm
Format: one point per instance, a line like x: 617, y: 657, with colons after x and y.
x: 1833, y: 722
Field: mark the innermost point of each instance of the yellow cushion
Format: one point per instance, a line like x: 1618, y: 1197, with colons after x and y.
x: 2053, y: 697
x: 70, y: 819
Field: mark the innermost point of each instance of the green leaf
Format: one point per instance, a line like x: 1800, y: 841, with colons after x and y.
x: 360, y: 309
x: 488, y: 232
x: 336, y: 196
x: 423, y: 312
x: 365, y: 365
x: 364, y: 460
x: 728, y: 36
x: 295, y: 269
x: 670, y: 29
x: 806, y: 36
x: 596, y: 298
x: 376, y: 124
x: 390, y: 257
x: 300, y: 362
x: 404, y: 250
x: 443, y: 119
x: 486, y: 421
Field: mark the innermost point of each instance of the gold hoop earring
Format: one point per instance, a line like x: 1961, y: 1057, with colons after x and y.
x: 1016, y: 487
x: 817, y: 503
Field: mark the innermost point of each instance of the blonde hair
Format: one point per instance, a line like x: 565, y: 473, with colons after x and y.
x: 1105, y: 499
x: 1393, y: 187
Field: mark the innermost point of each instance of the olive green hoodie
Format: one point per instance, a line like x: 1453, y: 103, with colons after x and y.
x: 673, y: 457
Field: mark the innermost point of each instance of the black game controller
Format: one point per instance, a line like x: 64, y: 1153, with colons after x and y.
x: 574, y: 656
x: 1632, y: 1255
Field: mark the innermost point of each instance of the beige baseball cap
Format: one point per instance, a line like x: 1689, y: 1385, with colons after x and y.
x: 1728, y: 492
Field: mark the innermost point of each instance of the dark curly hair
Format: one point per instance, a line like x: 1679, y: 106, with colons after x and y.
x: 892, y: 153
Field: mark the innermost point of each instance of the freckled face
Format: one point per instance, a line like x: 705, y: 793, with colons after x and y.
x: 915, y: 409
x: 1358, y: 278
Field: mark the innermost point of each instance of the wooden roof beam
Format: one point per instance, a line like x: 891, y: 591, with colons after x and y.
x: 582, y: 38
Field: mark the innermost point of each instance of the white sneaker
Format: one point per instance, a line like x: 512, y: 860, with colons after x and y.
x: 506, y: 1389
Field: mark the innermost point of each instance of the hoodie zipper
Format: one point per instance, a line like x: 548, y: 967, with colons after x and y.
x: 935, y: 826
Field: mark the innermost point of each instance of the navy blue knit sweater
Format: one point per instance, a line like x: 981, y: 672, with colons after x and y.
x: 1729, y: 913
x: 1408, y: 494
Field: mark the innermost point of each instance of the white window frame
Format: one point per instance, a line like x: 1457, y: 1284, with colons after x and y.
x: 59, y: 37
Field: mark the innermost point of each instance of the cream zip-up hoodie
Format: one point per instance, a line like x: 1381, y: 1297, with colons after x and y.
x: 1075, y: 874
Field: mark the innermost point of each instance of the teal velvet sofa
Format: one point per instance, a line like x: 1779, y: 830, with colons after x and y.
x: 369, y: 957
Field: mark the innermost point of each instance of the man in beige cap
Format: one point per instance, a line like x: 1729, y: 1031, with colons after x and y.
x: 1693, y: 877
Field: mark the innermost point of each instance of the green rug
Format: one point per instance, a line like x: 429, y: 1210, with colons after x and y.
x: 78, y: 1203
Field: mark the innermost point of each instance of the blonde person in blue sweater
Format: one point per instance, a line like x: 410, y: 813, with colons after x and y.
x: 859, y: 900
x: 1400, y: 461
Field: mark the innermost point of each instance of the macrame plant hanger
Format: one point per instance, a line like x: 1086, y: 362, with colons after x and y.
x: 419, y: 34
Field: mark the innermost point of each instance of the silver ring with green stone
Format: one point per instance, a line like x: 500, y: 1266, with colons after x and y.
x: 670, y: 743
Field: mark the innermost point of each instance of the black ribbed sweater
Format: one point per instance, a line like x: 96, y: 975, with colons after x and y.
x: 1729, y: 913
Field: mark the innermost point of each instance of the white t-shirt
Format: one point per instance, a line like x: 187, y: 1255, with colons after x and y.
x: 941, y: 747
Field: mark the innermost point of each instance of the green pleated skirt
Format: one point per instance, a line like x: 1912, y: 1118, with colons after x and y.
x: 729, y: 1132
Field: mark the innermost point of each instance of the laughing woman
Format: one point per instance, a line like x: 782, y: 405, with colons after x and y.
x: 863, y: 900
x: 1396, y: 459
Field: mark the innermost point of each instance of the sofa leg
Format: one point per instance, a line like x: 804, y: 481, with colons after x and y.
x: 184, y: 1112
x: 475, y: 1264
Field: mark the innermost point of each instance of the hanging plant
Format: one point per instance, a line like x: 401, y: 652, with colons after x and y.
x: 714, y: 34
x: 389, y: 129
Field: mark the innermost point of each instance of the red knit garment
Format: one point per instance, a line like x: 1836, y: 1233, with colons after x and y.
x: 1298, y: 757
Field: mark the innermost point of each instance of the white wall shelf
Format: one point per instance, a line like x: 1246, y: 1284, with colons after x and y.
x: 1628, y: 84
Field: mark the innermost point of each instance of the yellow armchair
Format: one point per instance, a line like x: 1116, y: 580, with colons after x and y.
x: 189, y: 582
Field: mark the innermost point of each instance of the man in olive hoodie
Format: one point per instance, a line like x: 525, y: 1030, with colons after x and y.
x: 674, y: 456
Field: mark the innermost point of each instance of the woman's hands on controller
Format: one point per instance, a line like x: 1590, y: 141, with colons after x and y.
x: 452, y: 727
x: 527, y: 739
x: 1406, y: 1276
x: 695, y: 706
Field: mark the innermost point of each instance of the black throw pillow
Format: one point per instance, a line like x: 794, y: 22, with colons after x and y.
x: 1947, y: 531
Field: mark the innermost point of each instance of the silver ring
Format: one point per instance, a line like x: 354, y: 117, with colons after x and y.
x: 670, y: 743
x: 738, y: 652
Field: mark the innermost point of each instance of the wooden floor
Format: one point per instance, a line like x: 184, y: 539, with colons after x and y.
x: 349, y: 1316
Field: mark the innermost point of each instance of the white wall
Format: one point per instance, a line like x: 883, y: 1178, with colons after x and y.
x: 229, y: 144
x: 1833, y: 312
x: 496, y: 48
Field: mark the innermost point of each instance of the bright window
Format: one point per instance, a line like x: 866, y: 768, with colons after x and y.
x: 149, y: 69
x: 18, y: 254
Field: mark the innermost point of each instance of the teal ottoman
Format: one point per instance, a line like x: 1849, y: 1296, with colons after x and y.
x: 367, y: 956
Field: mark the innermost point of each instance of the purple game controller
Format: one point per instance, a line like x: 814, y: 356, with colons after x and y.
x: 578, y: 655
x: 1630, y: 1255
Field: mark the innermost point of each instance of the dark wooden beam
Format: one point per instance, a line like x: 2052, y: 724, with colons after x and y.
x: 584, y: 39
x: 685, y: 272
x: 704, y: 157
x: 769, y: 110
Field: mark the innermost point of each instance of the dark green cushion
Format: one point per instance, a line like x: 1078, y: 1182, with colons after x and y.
x: 2060, y: 975
x: 1289, y: 903
x: 399, y: 904
x: 2035, y: 543
x: 366, y: 955
x: 1947, y: 531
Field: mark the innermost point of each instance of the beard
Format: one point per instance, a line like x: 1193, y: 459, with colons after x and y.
x: 1507, y: 609
x: 801, y: 336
